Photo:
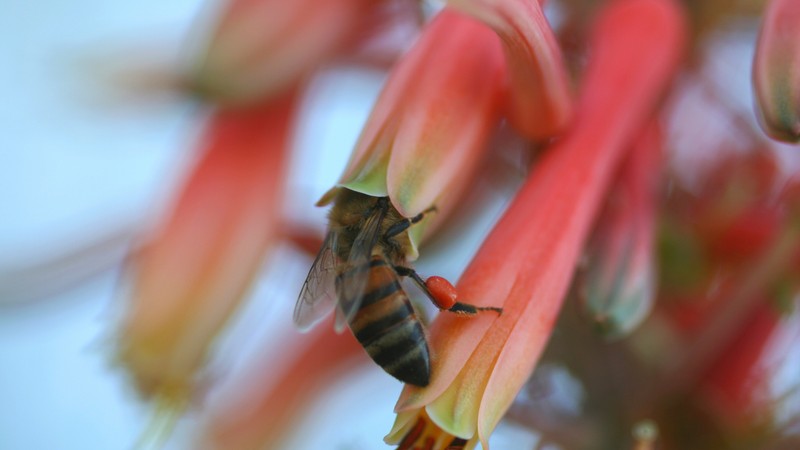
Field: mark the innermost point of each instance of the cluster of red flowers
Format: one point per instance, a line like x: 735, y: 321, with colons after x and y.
x: 665, y: 293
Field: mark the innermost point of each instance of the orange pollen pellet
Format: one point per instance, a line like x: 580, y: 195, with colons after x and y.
x: 443, y: 292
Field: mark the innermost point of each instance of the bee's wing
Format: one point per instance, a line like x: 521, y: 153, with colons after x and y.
x: 318, y: 295
x: 355, y: 279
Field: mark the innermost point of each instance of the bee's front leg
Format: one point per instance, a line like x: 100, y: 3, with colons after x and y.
x: 399, y: 227
x: 443, y: 294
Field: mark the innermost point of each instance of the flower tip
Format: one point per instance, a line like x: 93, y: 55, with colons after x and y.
x: 776, y: 71
x: 776, y: 119
x: 539, y: 102
x: 205, y: 85
x: 410, y: 399
x: 618, y: 312
x: 403, y: 424
x: 168, y: 408
x: 201, y: 85
x: 328, y: 197
x: 613, y: 327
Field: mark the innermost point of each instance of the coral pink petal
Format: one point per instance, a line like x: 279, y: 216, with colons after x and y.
x: 261, y: 48
x: 538, y: 102
x: 636, y: 47
x: 448, y: 114
x: 194, y: 271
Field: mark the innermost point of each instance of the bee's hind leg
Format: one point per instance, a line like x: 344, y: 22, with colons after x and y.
x: 399, y: 227
x: 443, y: 294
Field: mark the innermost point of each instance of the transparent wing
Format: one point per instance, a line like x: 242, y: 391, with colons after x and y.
x: 318, y: 295
x: 354, y: 279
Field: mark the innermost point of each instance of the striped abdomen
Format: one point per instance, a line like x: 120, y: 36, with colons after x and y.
x: 388, y: 328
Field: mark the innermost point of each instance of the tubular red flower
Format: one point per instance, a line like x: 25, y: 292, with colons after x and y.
x: 538, y: 103
x: 619, y: 282
x: 428, y: 130
x: 269, y: 412
x: 526, y: 263
x: 193, y: 272
x: 776, y: 71
x: 262, y: 47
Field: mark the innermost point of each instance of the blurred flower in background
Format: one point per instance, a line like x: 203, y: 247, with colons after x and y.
x: 600, y: 172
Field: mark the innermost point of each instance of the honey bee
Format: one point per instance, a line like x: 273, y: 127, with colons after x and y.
x: 358, y: 273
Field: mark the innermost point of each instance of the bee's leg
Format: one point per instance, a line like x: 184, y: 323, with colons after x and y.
x: 403, y: 225
x: 445, y: 294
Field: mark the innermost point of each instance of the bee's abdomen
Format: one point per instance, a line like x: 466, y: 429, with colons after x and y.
x: 388, y: 328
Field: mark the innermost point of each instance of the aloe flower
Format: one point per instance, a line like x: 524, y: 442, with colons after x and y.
x: 776, y: 71
x: 193, y: 271
x: 265, y: 417
x: 619, y: 283
x: 526, y: 263
x: 260, y: 48
x: 538, y: 103
x: 429, y: 127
